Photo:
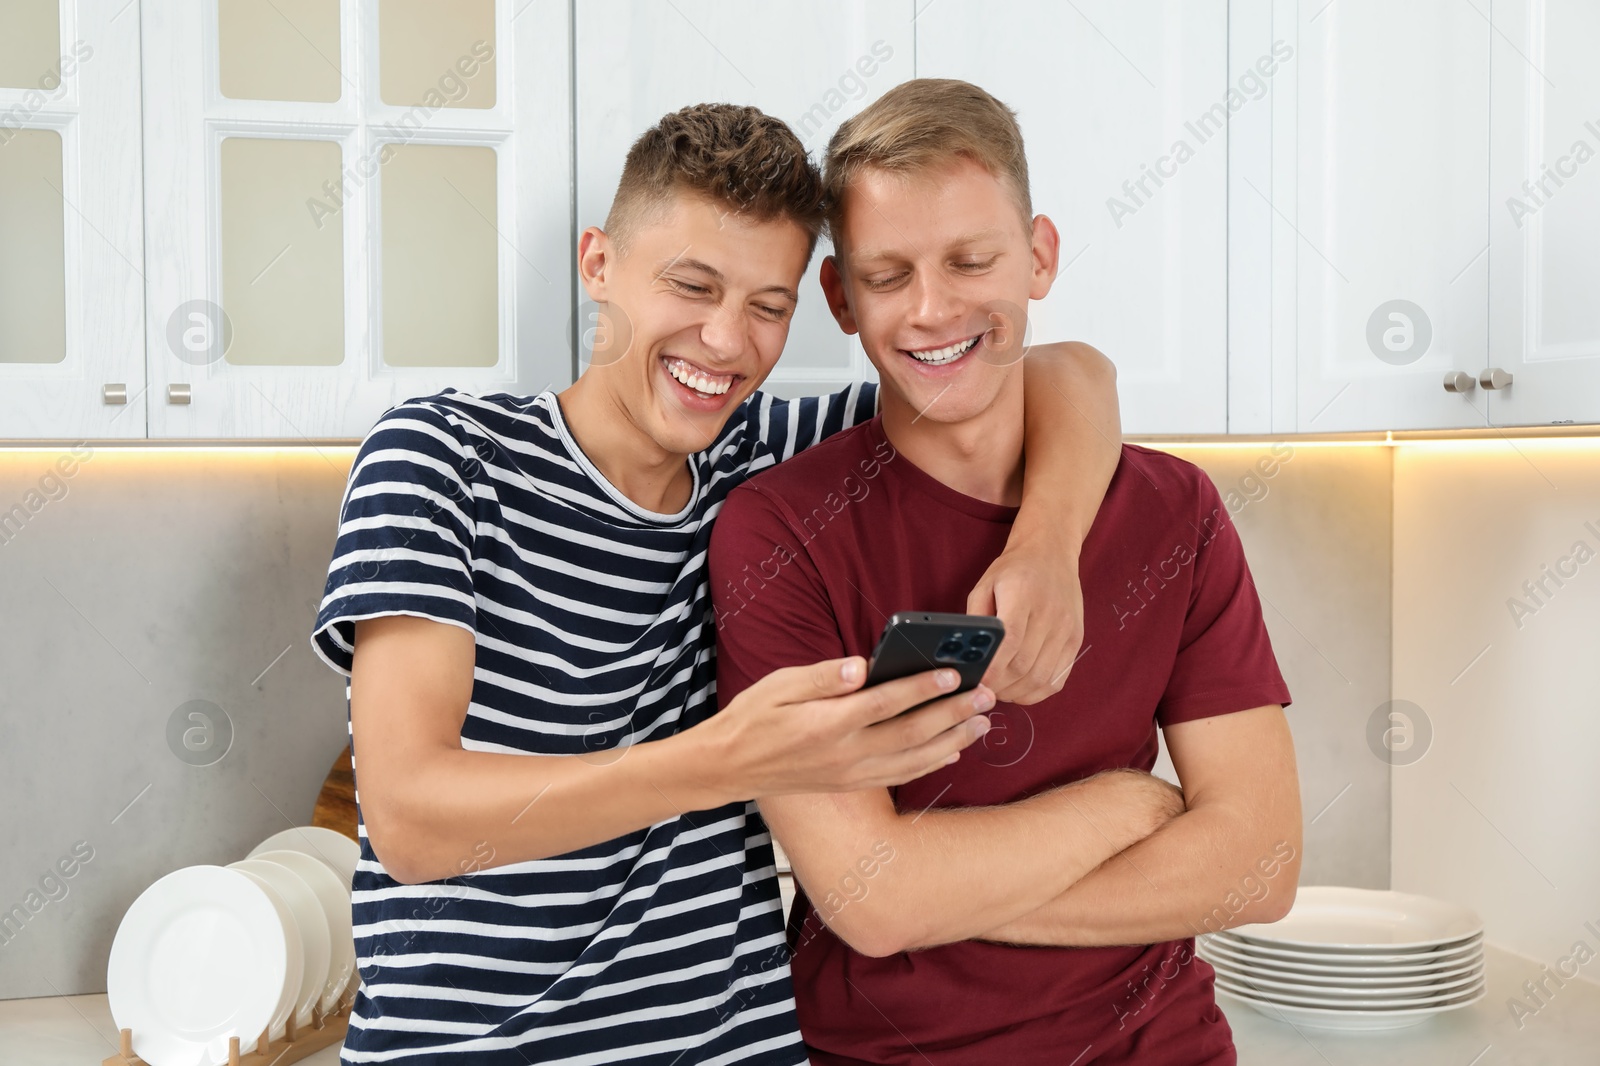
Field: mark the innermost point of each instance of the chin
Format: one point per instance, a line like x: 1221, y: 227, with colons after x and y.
x: 683, y: 431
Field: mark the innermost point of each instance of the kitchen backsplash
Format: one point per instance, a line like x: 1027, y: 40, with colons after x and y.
x: 160, y: 603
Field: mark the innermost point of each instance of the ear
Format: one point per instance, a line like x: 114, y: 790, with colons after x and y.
x: 1046, y: 257
x: 833, y: 289
x: 594, y: 255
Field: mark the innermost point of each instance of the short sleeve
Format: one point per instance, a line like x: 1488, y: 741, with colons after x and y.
x: 406, y: 529
x: 1225, y: 661
x: 771, y: 606
x: 788, y: 427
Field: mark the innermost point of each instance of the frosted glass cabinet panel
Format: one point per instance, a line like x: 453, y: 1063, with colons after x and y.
x: 30, y: 42
x: 437, y: 53
x: 71, y: 236
x: 279, y: 49
x: 275, y: 256
x: 33, y: 295
x: 440, y: 268
x: 320, y: 256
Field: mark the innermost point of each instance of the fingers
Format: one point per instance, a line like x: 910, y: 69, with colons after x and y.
x: 981, y: 599
x: 1018, y: 653
x: 924, y: 724
x: 884, y: 701
x: 797, y: 684
x: 939, y: 750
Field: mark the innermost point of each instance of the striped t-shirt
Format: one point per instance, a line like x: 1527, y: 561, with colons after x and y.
x: 593, y: 631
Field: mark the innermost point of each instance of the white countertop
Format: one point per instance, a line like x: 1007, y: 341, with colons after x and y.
x: 77, y: 1031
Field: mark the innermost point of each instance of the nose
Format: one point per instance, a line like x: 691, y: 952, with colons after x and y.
x: 726, y: 332
x: 934, y: 301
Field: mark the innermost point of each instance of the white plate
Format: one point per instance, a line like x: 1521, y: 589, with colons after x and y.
x: 289, y: 995
x: 1425, y: 989
x: 338, y: 851
x: 309, y: 921
x: 1351, y: 1020
x: 335, y: 903
x: 1340, y: 966
x: 1432, y: 957
x: 200, y: 956
x: 1344, y: 977
x: 1329, y: 918
x: 1333, y: 1003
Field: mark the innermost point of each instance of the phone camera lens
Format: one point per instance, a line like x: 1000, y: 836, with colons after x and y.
x: 981, y: 640
x: 948, y: 651
x: 972, y: 655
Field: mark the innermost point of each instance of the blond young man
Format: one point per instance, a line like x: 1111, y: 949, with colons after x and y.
x: 1035, y: 901
x: 560, y: 862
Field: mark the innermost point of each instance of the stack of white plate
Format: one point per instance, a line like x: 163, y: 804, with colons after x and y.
x: 211, y: 952
x: 1354, y: 958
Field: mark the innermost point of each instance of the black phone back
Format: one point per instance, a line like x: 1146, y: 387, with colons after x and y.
x: 917, y: 641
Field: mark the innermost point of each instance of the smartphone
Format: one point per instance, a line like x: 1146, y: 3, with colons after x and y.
x: 916, y: 641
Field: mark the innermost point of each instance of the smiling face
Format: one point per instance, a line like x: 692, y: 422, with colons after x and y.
x: 935, y: 270
x: 695, y: 310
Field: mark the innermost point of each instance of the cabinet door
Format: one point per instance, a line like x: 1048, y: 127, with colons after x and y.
x: 350, y: 204
x: 812, y: 65
x: 1544, y: 263
x: 71, y: 258
x: 1391, y: 268
x: 1127, y: 153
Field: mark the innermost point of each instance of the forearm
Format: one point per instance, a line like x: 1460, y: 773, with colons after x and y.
x: 1207, y: 869
x: 953, y: 873
x: 1073, y: 441
x: 463, y: 811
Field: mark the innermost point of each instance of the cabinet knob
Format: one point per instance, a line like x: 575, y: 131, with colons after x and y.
x: 1459, y: 381
x: 1494, y: 378
x: 178, y: 394
x: 114, y: 394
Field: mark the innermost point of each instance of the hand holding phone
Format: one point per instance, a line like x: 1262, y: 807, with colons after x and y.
x: 915, y: 641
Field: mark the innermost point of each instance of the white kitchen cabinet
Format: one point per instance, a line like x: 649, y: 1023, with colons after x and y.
x: 1124, y: 110
x: 1544, y: 212
x: 71, y: 257
x: 349, y: 205
x: 812, y: 65
x: 1379, y: 212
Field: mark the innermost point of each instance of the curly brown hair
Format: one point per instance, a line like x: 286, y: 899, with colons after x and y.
x: 738, y: 157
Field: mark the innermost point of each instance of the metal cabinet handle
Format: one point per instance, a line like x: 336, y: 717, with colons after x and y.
x: 1459, y: 381
x: 1494, y: 378
x: 114, y: 394
x: 178, y: 394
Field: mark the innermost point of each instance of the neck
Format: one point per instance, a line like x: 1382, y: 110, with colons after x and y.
x: 979, y: 457
x: 627, y: 456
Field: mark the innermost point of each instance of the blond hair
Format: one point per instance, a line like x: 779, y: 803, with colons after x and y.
x: 737, y: 157
x: 920, y: 124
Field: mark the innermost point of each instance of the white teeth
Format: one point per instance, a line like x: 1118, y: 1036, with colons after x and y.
x: 701, y: 383
x: 940, y: 356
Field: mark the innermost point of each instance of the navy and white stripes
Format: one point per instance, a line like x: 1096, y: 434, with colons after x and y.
x: 593, y: 631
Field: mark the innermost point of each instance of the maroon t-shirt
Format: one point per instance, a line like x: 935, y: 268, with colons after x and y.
x: 808, y: 561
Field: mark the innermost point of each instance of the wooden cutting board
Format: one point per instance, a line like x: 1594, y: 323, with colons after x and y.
x: 336, y: 803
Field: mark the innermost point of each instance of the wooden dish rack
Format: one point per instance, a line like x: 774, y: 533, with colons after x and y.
x: 336, y: 809
x: 297, y: 1043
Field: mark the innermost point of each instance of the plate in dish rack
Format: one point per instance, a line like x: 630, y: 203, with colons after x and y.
x: 200, y: 956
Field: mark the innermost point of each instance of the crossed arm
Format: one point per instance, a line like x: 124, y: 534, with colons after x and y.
x: 1052, y: 870
x: 1232, y: 857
